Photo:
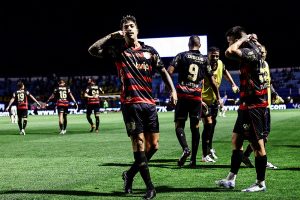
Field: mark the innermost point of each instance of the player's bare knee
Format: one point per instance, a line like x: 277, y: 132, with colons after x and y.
x: 138, y: 142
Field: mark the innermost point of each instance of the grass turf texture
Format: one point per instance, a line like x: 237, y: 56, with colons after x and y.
x: 82, y: 165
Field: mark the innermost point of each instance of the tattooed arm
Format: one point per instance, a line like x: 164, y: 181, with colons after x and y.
x: 97, y: 48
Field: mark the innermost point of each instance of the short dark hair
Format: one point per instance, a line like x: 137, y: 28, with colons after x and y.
x: 213, y: 49
x: 235, y: 32
x: 20, y: 84
x: 61, y: 81
x: 194, y: 40
x: 91, y: 81
x: 126, y: 19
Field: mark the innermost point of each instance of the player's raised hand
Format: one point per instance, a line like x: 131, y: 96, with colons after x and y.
x: 117, y: 35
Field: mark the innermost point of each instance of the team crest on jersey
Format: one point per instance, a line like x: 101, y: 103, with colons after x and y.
x: 246, y: 127
x: 147, y: 55
x: 251, y: 55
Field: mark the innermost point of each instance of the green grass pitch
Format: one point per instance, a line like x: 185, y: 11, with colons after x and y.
x: 82, y: 165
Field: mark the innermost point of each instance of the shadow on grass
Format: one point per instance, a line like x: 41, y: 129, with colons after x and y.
x: 168, y: 189
x: 287, y: 145
x: 288, y: 168
x: 137, y: 192
x: 64, y: 192
x: 170, y: 163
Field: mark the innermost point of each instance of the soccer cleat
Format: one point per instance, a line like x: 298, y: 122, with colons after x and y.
x: 208, y: 159
x: 230, y: 184
x: 150, y: 194
x: 255, y: 188
x: 186, y: 153
x: 247, y: 162
x: 213, y: 154
x: 23, y: 131
x: 127, y: 183
x: 92, y: 128
x: 97, y: 130
x: 270, y: 166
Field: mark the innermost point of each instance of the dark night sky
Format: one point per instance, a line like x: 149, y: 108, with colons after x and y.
x: 44, y: 37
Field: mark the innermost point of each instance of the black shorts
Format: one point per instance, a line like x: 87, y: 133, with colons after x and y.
x: 140, y: 118
x: 185, y: 107
x: 22, y: 113
x: 268, y: 124
x: 212, y: 111
x: 253, y: 124
x: 92, y: 107
x: 62, y: 109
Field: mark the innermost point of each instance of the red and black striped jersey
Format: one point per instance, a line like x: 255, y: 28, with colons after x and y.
x: 21, y: 99
x: 136, y: 67
x: 253, y: 85
x: 61, y: 94
x: 93, y: 90
x: 191, y: 67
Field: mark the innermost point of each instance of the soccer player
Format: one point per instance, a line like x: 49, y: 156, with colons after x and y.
x: 210, y: 99
x: 61, y: 94
x: 92, y: 93
x: 13, y: 114
x: 105, y: 106
x: 272, y: 96
x: 136, y: 63
x: 252, y: 118
x: 224, y: 110
x: 21, y: 98
x: 192, y: 68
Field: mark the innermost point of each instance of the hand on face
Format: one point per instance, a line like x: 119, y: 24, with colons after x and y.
x: 117, y: 35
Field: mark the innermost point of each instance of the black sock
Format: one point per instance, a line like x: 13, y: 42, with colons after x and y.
x: 134, y: 169
x: 61, y: 126
x: 211, y: 135
x: 181, y: 137
x: 195, y: 142
x: 20, y: 123
x: 236, y: 160
x: 97, y: 122
x: 260, y: 166
x: 88, y: 117
x: 141, y: 159
x: 65, y: 122
x: 150, y: 153
x: 205, y: 139
x: 248, y: 151
x: 24, y: 123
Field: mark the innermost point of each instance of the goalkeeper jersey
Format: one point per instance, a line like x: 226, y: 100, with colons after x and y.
x: 208, y: 94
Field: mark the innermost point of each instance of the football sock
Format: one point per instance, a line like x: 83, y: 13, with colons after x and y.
x: 195, y: 142
x: 143, y: 167
x: 205, y: 138
x: 65, y: 122
x: 236, y: 160
x: 181, y: 137
x: 134, y: 169
x: 97, y: 122
x: 20, y: 123
x: 150, y: 153
x: 248, y: 151
x: 88, y: 117
x: 24, y: 123
x: 211, y: 135
x: 260, y: 166
x: 60, y: 126
x: 231, y: 176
